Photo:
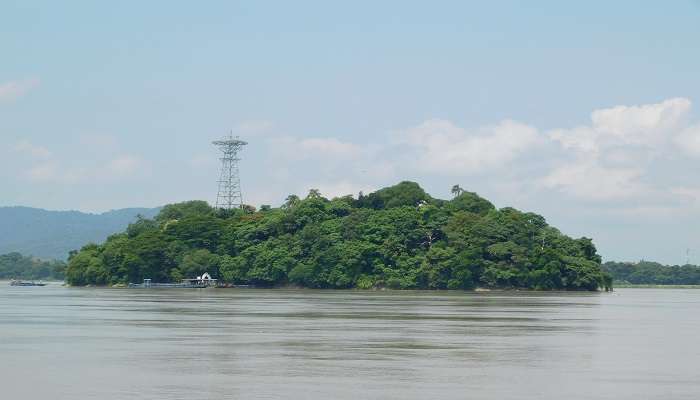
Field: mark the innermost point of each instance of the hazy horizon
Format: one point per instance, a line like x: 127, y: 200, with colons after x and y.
x: 583, y: 113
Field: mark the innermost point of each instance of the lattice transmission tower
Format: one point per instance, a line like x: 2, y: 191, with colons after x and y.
x: 229, y: 195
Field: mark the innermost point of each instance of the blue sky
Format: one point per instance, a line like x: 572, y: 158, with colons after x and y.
x: 585, y: 113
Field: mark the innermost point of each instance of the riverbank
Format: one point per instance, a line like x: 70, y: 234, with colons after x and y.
x: 477, y: 289
x: 358, y: 289
x: 636, y: 286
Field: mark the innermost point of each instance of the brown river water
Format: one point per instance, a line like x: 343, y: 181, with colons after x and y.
x: 97, y: 343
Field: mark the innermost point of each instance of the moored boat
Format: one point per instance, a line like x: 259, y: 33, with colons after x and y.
x: 26, y: 283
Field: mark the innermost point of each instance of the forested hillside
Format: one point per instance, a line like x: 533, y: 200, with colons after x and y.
x: 652, y: 273
x: 397, y: 237
x: 17, y: 266
x: 52, y: 234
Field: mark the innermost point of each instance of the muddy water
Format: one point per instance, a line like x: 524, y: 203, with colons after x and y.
x: 69, y: 343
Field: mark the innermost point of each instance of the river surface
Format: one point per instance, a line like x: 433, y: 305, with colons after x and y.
x: 71, y: 343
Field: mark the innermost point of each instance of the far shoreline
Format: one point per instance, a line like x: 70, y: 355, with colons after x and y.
x: 474, y: 290
x: 356, y: 289
x: 655, y: 286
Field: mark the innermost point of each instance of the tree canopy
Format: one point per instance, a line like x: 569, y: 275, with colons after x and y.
x: 17, y: 266
x: 652, y: 273
x: 397, y: 237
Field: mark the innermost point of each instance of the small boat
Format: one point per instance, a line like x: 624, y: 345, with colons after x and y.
x: 26, y: 283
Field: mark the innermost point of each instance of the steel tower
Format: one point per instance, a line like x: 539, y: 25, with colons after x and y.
x: 229, y: 195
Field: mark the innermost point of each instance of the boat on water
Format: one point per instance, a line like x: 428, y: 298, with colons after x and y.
x: 26, y: 283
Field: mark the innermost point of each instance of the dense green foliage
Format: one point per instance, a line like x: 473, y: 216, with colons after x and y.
x: 651, y: 273
x: 17, y: 266
x: 397, y: 237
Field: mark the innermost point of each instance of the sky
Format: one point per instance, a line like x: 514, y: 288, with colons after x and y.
x: 584, y: 112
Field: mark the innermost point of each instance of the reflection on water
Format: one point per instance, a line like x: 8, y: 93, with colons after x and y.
x: 68, y: 343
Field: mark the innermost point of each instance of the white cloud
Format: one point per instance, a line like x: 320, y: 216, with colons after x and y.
x: 614, y: 154
x: 12, y: 90
x: 441, y: 146
x: 645, y: 125
x: 49, y: 169
x: 589, y: 180
x: 688, y: 140
x: 323, y: 160
x: 607, y: 160
x: 54, y: 172
x: 26, y: 147
x: 582, y: 138
x: 326, y: 148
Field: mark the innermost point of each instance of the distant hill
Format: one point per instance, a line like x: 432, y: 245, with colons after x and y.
x: 52, y: 234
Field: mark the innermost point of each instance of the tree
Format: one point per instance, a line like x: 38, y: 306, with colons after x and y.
x: 472, y: 202
x: 184, y: 209
x: 233, y: 269
x: 404, y: 194
x: 314, y: 194
x: 140, y: 226
x: 291, y: 201
x: 17, y: 266
x: 652, y: 273
x: 197, y: 262
x: 86, y: 267
x: 456, y: 190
